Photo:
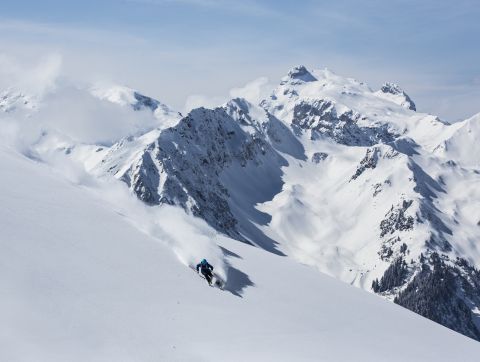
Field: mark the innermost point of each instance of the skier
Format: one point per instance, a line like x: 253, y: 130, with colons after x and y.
x: 206, y: 269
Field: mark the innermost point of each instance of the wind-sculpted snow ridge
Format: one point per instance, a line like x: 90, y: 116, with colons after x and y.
x: 351, y: 181
x: 126, y: 96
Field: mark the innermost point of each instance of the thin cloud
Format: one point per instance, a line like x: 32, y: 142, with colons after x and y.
x: 209, y: 47
x: 36, y: 76
x: 253, y: 91
x: 244, y: 7
x: 69, y: 32
x: 201, y: 100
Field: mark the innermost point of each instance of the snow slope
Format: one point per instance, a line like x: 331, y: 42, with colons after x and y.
x: 351, y: 181
x: 81, y: 281
x: 326, y: 171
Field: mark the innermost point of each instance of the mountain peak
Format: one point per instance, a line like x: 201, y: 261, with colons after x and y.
x: 125, y: 96
x: 402, y: 98
x: 299, y: 74
x: 392, y: 88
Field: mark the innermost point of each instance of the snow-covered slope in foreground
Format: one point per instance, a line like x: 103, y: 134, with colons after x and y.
x: 81, y: 282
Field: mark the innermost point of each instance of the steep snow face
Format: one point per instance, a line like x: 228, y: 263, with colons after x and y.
x: 93, y: 277
x: 348, y: 213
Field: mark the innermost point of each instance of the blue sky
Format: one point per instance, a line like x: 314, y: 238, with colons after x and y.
x: 173, y: 49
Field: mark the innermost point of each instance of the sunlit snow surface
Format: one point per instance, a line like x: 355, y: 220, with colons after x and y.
x: 91, y: 273
x: 82, y: 282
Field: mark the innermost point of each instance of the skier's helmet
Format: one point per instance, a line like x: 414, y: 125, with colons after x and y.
x: 204, y: 261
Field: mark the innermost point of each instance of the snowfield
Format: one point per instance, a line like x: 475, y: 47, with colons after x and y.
x: 84, y: 280
x: 109, y: 198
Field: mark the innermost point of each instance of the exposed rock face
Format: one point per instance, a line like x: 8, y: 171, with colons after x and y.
x: 378, y: 187
x: 320, y: 117
x: 145, y: 179
x: 368, y: 162
x: 397, y: 220
x: 372, y: 157
x: 185, y: 164
x: 299, y: 74
x: 317, y: 157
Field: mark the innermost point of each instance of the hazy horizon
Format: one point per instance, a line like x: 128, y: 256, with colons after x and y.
x: 189, y: 52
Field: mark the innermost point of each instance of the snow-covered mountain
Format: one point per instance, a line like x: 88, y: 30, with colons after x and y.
x: 394, y: 93
x: 384, y: 205
x: 88, y: 274
x: 341, y: 177
x: 351, y: 181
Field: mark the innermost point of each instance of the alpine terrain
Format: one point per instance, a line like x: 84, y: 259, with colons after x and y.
x: 325, y: 173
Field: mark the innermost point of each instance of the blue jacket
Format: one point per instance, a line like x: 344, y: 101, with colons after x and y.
x: 204, y: 266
